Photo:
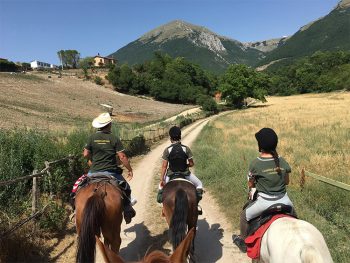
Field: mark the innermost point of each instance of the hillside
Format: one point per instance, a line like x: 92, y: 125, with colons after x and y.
x: 197, y: 44
x: 329, y: 33
x: 63, y: 103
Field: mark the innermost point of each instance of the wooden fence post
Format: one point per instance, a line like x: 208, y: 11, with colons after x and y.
x: 47, y: 166
x: 302, y: 179
x: 34, y: 194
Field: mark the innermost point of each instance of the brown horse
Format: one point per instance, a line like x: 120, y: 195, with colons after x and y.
x: 180, y: 210
x: 99, y: 207
x: 179, y: 255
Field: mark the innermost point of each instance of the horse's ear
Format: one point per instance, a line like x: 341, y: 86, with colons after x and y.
x: 181, y: 252
x: 108, y: 255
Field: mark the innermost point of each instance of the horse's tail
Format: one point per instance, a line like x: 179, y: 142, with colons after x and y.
x: 309, y: 254
x: 178, y: 222
x: 90, y: 226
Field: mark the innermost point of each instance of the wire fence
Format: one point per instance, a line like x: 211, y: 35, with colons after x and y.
x: 35, y: 198
x: 323, y: 179
x: 158, y: 131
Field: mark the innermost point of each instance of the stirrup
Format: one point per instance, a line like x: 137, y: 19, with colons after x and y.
x: 199, y: 209
x: 133, y: 201
x: 239, y: 242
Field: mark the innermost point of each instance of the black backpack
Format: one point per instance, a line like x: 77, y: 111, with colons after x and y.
x: 177, y: 158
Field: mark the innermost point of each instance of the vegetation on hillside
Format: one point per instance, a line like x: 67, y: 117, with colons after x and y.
x: 330, y: 33
x: 321, y: 72
x: 313, y: 134
x: 179, y: 81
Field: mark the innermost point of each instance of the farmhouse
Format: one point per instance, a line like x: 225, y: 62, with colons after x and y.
x: 100, y: 61
x: 35, y: 64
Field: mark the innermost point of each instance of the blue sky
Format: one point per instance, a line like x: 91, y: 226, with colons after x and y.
x: 37, y: 29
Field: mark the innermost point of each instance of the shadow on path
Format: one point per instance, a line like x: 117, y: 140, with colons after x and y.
x: 143, y: 243
x: 208, y: 248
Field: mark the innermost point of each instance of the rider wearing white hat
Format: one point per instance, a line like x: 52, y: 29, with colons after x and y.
x: 102, y: 149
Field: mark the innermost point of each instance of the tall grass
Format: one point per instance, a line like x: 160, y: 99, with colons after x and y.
x: 314, y: 132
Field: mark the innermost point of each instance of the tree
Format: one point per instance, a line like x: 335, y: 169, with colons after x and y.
x: 240, y: 82
x: 69, y: 58
x: 86, y: 62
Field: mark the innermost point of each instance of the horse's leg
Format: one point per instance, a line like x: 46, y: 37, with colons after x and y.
x: 191, y: 252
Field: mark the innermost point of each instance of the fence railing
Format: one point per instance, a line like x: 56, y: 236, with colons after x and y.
x: 35, y: 198
x: 157, y: 131
x: 323, y: 179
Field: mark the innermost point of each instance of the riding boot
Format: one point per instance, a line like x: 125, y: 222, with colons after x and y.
x: 129, y: 211
x: 243, y: 224
x: 160, y: 196
x: 238, y: 240
x: 199, y: 194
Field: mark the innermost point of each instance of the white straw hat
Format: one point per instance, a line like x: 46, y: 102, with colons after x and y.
x: 102, y: 120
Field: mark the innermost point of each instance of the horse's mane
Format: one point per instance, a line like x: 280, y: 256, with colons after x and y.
x: 156, y: 257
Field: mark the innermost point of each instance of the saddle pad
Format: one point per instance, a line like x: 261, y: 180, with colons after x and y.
x: 96, y: 178
x: 253, y: 241
x: 77, y: 183
x: 181, y: 179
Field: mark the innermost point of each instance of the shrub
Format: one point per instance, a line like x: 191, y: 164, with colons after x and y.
x: 136, y: 146
x: 98, y: 80
x: 207, y: 103
x: 54, y: 217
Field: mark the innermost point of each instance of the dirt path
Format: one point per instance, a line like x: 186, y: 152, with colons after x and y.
x: 148, y: 229
x: 213, y: 242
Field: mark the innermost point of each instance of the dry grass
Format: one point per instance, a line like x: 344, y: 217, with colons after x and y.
x: 34, y: 100
x: 314, y: 133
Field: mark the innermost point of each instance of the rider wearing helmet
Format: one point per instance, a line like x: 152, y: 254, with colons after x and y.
x: 177, y: 158
x: 268, y: 176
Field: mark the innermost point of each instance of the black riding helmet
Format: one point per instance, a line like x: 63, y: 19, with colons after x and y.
x: 175, y: 133
x: 267, y: 140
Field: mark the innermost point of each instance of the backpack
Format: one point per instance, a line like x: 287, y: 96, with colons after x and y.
x: 177, y: 158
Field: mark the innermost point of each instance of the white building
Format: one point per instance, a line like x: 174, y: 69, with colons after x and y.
x: 38, y: 64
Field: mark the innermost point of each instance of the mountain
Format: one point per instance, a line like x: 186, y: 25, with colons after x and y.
x: 197, y: 44
x: 214, y: 52
x: 328, y: 33
x: 267, y: 45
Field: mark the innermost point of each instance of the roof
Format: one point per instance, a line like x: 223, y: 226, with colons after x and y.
x: 104, y: 57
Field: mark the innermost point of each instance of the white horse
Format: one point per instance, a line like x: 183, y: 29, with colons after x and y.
x: 294, y: 241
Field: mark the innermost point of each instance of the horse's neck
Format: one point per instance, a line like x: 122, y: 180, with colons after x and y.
x: 293, y: 240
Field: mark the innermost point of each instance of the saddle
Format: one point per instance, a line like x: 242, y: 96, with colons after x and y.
x: 102, y: 178
x: 273, y: 210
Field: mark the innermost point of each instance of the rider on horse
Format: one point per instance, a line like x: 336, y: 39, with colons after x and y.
x: 177, y: 158
x: 102, y: 149
x: 268, y: 176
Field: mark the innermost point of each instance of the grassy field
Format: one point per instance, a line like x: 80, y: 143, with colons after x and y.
x: 314, y: 133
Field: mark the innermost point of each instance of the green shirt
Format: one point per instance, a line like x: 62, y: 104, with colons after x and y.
x: 103, y: 148
x: 166, y: 153
x: 267, y: 180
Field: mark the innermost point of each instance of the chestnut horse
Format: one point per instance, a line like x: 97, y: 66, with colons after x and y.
x: 180, y: 211
x: 99, y: 207
x: 179, y: 255
x: 293, y: 240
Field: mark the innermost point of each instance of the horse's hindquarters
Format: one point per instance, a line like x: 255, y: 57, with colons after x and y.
x: 293, y: 240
